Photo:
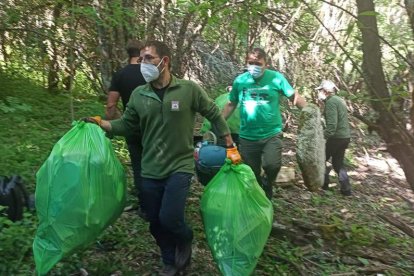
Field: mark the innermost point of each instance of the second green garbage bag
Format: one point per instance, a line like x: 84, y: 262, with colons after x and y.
x: 80, y: 190
x: 237, y: 219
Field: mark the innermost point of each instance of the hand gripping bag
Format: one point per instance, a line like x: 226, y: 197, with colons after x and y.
x: 80, y: 190
x: 237, y: 219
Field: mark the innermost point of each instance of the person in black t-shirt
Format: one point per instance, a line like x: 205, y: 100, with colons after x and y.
x: 123, y: 83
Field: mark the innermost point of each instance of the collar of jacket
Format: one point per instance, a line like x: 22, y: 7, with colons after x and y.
x: 148, y: 91
x: 328, y: 97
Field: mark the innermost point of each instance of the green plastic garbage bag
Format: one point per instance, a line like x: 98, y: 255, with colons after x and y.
x: 233, y: 121
x: 237, y: 219
x: 80, y: 190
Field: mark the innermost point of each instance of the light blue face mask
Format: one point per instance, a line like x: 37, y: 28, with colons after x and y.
x: 255, y: 71
x: 321, y: 96
x: 150, y: 72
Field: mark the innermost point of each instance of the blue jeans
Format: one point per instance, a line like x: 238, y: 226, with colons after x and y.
x: 163, y: 202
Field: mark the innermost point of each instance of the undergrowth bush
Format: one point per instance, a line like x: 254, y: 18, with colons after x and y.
x: 16, y: 240
x: 12, y: 104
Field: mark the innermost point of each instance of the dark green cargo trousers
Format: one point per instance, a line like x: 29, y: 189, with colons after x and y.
x: 266, y: 153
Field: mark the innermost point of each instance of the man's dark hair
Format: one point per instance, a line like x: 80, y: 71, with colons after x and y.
x: 259, y: 53
x: 160, y: 47
x: 133, y: 47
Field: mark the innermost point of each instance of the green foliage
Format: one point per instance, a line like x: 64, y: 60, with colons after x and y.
x: 318, y: 200
x: 12, y: 104
x: 11, y: 16
x: 358, y: 235
x: 304, y: 47
x: 38, y: 127
x: 288, y: 251
x: 16, y: 243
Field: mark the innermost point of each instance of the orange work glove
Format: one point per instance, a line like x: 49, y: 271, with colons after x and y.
x: 95, y: 120
x: 234, y: 155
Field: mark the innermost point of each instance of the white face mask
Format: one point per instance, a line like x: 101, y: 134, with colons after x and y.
x: 255, y: 71
x: 150, y: 72
x: 321, y: 96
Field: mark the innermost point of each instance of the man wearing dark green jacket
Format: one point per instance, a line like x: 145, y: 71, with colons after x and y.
x: 163, y: 111
x: 337, y: 133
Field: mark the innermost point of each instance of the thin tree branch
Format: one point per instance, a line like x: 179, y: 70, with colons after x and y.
x: 385, y: 107
x: 377, y: 34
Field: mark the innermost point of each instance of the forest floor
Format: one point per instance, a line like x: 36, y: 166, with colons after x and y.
x: 320, y: 233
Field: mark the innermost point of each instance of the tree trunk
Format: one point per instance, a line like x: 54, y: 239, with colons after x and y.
x: 399, y: 141
x: 178, y: 66
x: 409, y: 7
x: 233, y: 47
x: 70, y: 68
x: 163, y: 19
x: 410, y: 86
x: 3, y: 42
x: 181, y: 64
x: 53, y: 77
x: 105, y: 67
x: 153, y: 24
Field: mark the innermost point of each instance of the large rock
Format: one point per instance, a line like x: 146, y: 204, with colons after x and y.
x: 310, y: 152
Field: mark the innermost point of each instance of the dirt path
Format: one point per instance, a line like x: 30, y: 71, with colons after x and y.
x: 370, y: 232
